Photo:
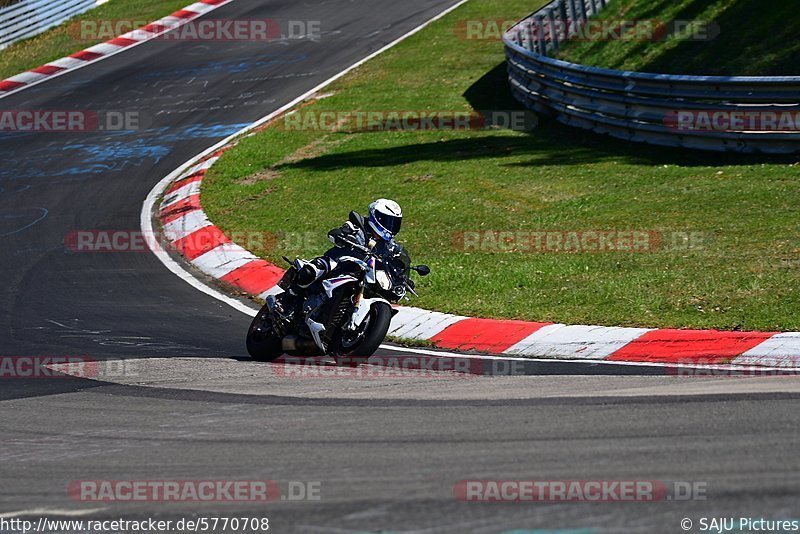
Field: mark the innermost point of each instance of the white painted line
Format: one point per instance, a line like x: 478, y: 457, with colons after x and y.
x: 63, y: 62
x: 714, y: 367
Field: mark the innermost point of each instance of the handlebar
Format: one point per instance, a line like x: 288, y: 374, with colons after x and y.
x: 406, y: 282
x: 357, y: 246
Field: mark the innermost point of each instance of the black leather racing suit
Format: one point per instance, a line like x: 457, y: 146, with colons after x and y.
x: 354, y: 230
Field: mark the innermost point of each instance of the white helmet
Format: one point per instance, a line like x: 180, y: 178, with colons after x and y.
x: 385, y: 218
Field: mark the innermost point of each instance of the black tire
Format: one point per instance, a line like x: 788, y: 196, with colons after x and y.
x: 379, y: 320
x: 262, y: 344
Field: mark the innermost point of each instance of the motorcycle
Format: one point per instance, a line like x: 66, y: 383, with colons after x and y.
x: 345, y: 314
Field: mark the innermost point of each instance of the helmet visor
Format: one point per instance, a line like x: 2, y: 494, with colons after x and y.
x: 390, y: 222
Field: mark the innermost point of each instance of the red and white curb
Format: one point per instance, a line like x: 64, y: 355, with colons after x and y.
x: 190, y: 232
x: 109, y: 48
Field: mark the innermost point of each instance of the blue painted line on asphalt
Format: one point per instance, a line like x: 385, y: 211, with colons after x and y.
x: 231, y: 67
x: 119, y: 151
x: 116, y: 152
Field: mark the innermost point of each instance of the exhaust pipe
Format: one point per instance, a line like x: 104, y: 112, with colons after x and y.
x: 302, y: 345
x: 289, y: 343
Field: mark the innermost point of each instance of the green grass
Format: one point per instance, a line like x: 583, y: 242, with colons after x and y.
x: 742, y: 277
x: 755, y: 38
x: 67, y: 38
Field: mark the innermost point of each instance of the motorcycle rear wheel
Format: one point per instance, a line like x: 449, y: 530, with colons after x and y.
x: 262, y: 343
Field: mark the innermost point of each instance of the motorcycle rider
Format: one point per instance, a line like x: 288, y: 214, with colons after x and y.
x: 379, y: 227
x: 369, y: 238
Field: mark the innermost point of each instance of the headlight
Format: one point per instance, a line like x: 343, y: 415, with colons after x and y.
x: 383, y: 280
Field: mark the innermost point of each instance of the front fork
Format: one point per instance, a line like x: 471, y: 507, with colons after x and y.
x: 363, y: 307
x: 275, y: 309
x: 359, y: 314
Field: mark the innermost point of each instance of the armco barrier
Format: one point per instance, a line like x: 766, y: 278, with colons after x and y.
x: 31, y: 17
x: 739, y: 113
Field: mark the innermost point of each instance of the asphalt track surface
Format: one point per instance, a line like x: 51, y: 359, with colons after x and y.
x: 386, y: 450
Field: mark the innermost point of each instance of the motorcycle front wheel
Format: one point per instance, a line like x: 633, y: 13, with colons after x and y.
x: 356, y: 351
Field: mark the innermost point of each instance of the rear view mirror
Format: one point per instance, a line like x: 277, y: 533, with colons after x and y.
x: 356, y: 219
x: 423, y: 270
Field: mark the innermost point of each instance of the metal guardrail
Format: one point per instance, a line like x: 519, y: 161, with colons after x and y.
x: 747, y: 114
x: 31, y: 17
